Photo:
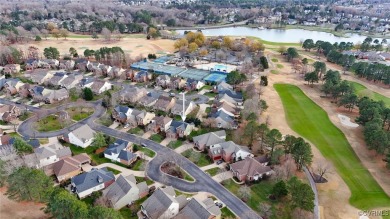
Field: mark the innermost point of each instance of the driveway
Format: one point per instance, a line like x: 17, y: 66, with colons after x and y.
x: 166, y: 141
x: 183, y: 148
x: 124, y: 171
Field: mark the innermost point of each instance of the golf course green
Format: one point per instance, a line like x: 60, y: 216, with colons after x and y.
x: 311, y: 122
x: 361, y: 90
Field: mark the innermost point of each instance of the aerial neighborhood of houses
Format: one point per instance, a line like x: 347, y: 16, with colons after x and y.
x: 166, y: 106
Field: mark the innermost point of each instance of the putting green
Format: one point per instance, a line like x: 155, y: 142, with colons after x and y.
x: 312, y: 122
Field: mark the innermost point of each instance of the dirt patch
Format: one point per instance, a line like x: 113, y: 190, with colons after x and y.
x: 129, y: 45
x: 19, y: 210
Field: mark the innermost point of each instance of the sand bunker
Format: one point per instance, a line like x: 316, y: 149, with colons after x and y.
x: 346, y: 121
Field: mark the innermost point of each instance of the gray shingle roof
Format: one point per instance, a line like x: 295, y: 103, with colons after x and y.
x: 196, y: 209
x: 120, y: 188
x: 91, y: 179
x: 84, y: 133
x: 211, y: 138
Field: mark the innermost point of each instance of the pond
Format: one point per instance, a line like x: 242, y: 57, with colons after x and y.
x: 281, y: 35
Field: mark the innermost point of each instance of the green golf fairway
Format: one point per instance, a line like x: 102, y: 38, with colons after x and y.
x: 312, y: 122
x: 361, y: 90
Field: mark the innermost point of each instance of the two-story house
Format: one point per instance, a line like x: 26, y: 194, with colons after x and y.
x: 120, y: 151
x: 228, y: 151
x: 179, y: 129
x: 82, y: 136
x: 202, y: 142
x: 50, y: 154
x: 164, y: 103
x: 159, y: 124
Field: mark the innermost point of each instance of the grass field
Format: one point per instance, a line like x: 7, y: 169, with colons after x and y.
x: 274, y: 71
x: 361, y: 90
x: 213, y: 171
x: 279, y: 66
x: 310, y: 121
x: 275, y: 60
x: 49, y: 123
x: 270, y: 43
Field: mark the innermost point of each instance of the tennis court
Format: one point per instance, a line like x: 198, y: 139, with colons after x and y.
x: 196, y: 74
x: 162, y: 59
x: 158, y: 68
x: 215, y: 77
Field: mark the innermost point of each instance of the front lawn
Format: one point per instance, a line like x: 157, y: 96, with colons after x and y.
x: 96, y: 159
x: 138, y: 165
x: 175, y: 144
x: 202, y: 159
x: 213, y: 171
x: 207, y: 87
x: 147, y: 152
x: 157, y: 138
x: 136, y: 131
x: 310, y: 121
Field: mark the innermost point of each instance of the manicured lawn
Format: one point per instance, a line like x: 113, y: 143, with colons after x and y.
x: 136, y: 131
x: 279, y: 66
x: 207, y: 87
x: 137, y: 165
x: 157, y: 138
x: 203, y: 160
x: 361, y: 90
x: 175, y: 144
x: 148, y: 152
x: 213, y: 171
x: 274, y: 71
x: 91, y: 152
x: 310, y: 121
x: 114, y: 171
x: 144, y: 179
x: 49, y: 123
x: 226, y: 213
x: 274, y: 43
x: 274, y: 60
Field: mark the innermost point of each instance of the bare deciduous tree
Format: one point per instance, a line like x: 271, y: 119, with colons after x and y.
x: 106, y: 34
x: 244, y: 192
x: 323, y: 168
x: 265, y: 210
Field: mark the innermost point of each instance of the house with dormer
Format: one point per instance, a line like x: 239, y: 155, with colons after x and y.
x: 179, y: 129
x: 95, y: 180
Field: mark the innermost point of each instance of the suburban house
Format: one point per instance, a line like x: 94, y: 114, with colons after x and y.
x: 99, y: 86
x: 82, y: 136
x: 159, y: 124
x: 67, y: 65
x: 138, y: 117
x: 32, y: 64
x: 235, y: 95
x: 192, y: 84
x: 202, y: 142
x: 56, y: 79
x: 228, y: 151
x: 124, y: 191
x: 249, y: 169
x: 179, y: 129
x: 71, y: 81
x: 70, y: 166
x: 177, y: 83
x: 86, y: 82
x: 132, y: 94
x: 177, y: 109
x: 82, y: 64
x: 116, y: 72
x: 50, y: 154
x: 224, y: 120
x: 141, y: 76
x: 40, y: 94
x: 164, y: 103
x: 53, y: 63
x: 226, y: 107
x: 121, y: 113
x: 163, y: 81
x: 12, y: 86
x: 148, y: 100
x: 94, y: 67
x: 5, y: 139
x: 163, y: 203
x: 197, y: 209
x: 11, y: 69
x: 92, y: 181
x: 24, y: 91
x: 40, y: 76
x: 120, y: 151
x: 223, y: 86
x: 9, y: 112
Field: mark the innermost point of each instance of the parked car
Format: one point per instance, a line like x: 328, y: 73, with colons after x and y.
x: 220, y: 205
x: 219, y: 162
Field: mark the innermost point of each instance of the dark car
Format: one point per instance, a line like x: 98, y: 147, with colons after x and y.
x: 18, y: 102
x: 220, y: 205
x: 219, y: 162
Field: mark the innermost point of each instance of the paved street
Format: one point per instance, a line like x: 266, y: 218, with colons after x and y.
x: 203, y: 181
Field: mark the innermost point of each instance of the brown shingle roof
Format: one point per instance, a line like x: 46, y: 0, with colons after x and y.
x: 249, y: 167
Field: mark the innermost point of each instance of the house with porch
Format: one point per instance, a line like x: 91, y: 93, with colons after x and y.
x: 250, y: 169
